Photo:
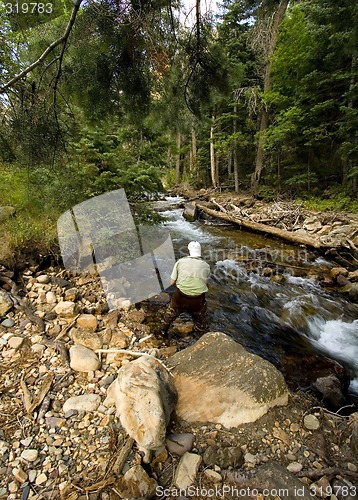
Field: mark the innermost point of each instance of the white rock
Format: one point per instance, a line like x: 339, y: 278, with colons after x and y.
x: 145, y: 397
x: 187, y: 469
x: 66, y: 309
x: 15, y: 342
x: 43, y: 278
x: 85, y: 402
x: 294, y: 467
x: 41, y: 479
x: 51, y: 298
x: 30, y: 455
x: 212, y: 475
x: 83, y: 359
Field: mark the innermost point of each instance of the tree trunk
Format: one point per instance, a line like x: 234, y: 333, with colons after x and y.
x: 264, y: 121
x: 193, y: 151
x: 213, y: 163
x: 235, y: 158
x: 177, y: 162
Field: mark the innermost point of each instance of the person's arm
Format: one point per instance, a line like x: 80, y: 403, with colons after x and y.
x: 174, y: 275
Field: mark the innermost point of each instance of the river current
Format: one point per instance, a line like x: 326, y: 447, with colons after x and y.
x: 261, y: 312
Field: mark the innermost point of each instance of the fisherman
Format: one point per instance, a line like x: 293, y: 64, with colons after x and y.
x: 190, y: 275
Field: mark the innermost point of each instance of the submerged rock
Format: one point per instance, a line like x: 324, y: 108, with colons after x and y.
x: 219, y: 381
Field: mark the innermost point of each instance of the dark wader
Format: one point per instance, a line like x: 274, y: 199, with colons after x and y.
x: 196, y: 306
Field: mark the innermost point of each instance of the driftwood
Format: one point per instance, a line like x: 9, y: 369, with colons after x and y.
x: 263, y: 228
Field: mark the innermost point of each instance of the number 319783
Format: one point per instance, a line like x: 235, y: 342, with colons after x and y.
x: 28, y: 8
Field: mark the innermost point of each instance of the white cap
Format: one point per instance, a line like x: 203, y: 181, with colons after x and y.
x: 194, y: 249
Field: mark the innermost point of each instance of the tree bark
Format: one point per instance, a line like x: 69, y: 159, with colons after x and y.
x: 193, y: 151
x: 177, y: 162
x: 213, y: 163
x: 264, y: 121
x: 263, y: 228
x: 235, y: 158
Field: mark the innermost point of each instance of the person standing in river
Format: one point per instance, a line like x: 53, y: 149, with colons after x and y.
x: 190, y: 275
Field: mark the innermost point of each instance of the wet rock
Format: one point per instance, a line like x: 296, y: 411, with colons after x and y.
x: 331, y: 392
x: 86, y: 338
x: 230, y: 456
x: 87, y: 322
x: 85, y: 402
x: 353, y: 276
x: 351, y: 290
x: 178, y: 444
x: 219, y: 381
x: 338, y: 271
x: 66, y: 309
x: 145, y: 397
x: 185, y: 474
x: 83, y: 359
x: 136, y: 483
x: 190, y: 212
x: 5, y: 302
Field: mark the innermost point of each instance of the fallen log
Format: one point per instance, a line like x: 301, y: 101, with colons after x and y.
x: 263, y: 228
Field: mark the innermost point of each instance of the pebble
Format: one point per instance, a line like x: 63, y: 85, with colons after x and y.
x: 311, y: 422
x: 43, y: 278
x: 15, y: 342
x: 8, y: 323
x: 294, y: 467
x: 29, y: 455
x: 41, y: 479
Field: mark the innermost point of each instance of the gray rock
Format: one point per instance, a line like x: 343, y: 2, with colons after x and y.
x: 5, y: 302
x: 331, y: 391
x: 190, y: 212
x: 8, y: 323
x: 180, y: 443
x: 219, y: 381
x: 83, y: 359
x: 85, y: 402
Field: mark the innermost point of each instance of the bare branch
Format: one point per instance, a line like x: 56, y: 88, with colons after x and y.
x: 50, y: 48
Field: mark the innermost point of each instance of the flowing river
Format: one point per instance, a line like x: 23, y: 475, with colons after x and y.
x: 268, y: 314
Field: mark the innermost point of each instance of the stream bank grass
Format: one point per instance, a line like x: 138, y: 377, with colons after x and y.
x: 32, y: 231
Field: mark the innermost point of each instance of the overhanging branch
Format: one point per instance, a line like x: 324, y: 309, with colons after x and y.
x: 62, y: 40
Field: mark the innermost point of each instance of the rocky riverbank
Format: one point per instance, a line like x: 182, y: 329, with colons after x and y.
x: 60, y: 342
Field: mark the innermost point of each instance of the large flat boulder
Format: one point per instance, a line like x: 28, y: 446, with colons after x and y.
x: 218, y: 381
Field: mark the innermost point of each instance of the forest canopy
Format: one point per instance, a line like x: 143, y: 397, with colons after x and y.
x: 101, y: 94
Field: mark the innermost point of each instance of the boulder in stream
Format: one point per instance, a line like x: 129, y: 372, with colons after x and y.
x: 219, y: 381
